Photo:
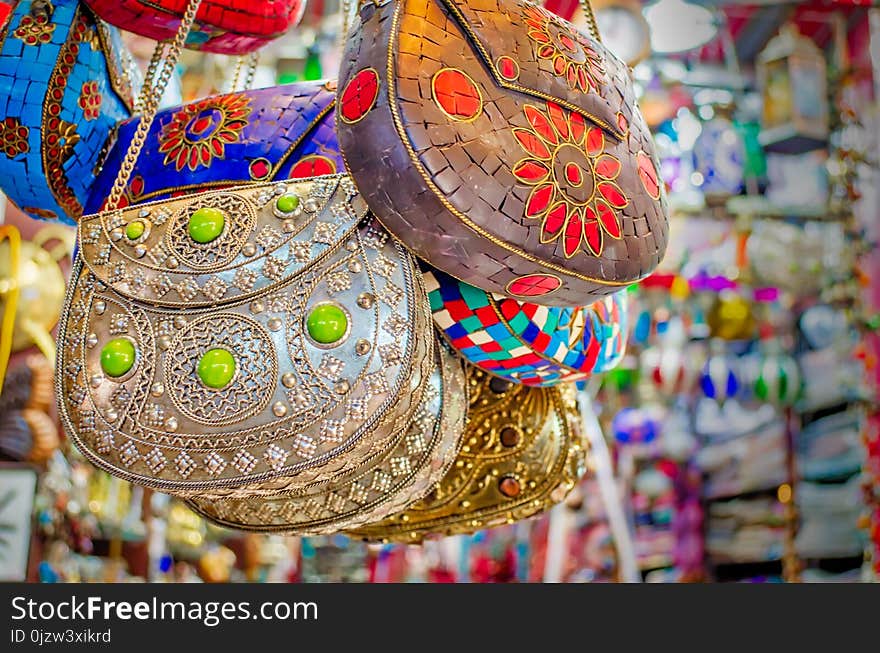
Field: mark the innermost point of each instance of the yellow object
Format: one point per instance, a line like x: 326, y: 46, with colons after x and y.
x: 40, y: 282
x: 731, y: 318
x: 524, y: 450
x: 9, y: 287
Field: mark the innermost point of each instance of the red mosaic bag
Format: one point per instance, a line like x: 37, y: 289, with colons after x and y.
x: 223, y: 26
x: 503, y: 146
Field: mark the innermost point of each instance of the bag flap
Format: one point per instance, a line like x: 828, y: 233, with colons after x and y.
x: 228, y: 140
x: 530, y: 50
x: 211, y: 248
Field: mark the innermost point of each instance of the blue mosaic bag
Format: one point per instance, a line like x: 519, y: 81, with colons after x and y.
x: 66, y: 80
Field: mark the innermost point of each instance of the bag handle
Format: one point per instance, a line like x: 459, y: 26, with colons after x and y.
x: 590, y: 19
x: 148, y: 101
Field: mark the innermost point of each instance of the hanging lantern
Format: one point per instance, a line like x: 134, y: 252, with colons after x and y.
x: 719, y: 157
x: 794, y: 88
x: 719, y: 380
x: 635, y: 426
x: 671, y: 364
x: 774, y: 376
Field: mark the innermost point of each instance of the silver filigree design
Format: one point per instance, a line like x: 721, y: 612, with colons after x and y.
x: 240, y: 216
x: 256, y: 369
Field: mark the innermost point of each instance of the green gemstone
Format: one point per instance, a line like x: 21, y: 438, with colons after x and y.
x: 327, y: 324
x: 287, y: 203
x: 117, y: 357
x: 216, y: 368
x: 206, y: 224
x: 135, y: 229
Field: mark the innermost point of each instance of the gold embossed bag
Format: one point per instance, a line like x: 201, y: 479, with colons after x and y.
x: 524, y: 450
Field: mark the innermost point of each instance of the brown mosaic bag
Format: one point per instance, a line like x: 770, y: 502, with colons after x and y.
x: 503, y: 146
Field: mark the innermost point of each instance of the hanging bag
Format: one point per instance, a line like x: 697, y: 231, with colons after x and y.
x: 65, y: 81
x: 503, y: 146
x: 221, y: 26
x: 225, y: 338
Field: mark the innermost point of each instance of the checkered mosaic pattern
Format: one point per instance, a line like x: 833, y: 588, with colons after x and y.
x: 524, y: 342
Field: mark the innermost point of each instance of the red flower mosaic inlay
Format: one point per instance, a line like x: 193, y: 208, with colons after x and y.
x: 575, y: 194
x: 90, y: 100
x: 456, y: 94
x: 648, y: 175
x: 359, y: 96
x: 199, y: 132
x: 570, y: 52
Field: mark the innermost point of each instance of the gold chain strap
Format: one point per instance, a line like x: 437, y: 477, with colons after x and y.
x: 149, y: 76
x: 247, y: 63
x: 151, y: 98
x: 590, y: 19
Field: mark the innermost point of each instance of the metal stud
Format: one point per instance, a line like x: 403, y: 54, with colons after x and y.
x: 274, y: 324
x: 171, y: 424
x: 249, y: 249
x: 157, y: 390
x: 96, y: 380
x: 139, y: 251
x: 365, y: 300
x: 171, y: 262
x: 354, y: 266
x: 100, y: 307
x: 279, y: 409
x: 91, y: 340
x: 289, y: 380
x: 362, y: 347
x: 342, y: 387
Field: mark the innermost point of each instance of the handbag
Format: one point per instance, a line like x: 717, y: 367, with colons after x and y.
x: 224, y: 338
x: 386, y: 484
x: 525, y: 450
x: 221, y: 26
x: 66, y: 80
x: 525, y: 342
x: 503, y: 146
x: 276, y: 133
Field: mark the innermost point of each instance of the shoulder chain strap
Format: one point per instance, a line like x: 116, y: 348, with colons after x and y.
x: 590, y: 19
x: 149, y: 100
x: 245, y: 66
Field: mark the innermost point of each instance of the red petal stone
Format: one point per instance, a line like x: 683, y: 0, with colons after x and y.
x: 593, y: 233
x: 648, y: 175
x: 583, y: 80
x: 574, y: 174
x: 595, y: 141
x: 137, y: 185
x: 531, y: 143
x: 508, y: 68
x: 359, y: 95
x: 531, y: 171
x: 559, y: 64
x: 608, y: 219
x: 608, y: 167
x: 533, y: 285
x: 541, y: 124
x: 622, y: 122
x: 553, y: 223
x: 557, y: 115
x: 611, y: 192
x: 578, y: 128
x: 573, y: 230
x: 568, y: 42
x: 571, y: 76
x: 539, y: 200
x: 540, y: 37
x: 312, y: 166
x: 457, y: 94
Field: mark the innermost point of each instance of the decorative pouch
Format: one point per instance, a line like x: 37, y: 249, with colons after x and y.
x: 524, y: 342
x: 222, y: 26
x: 385, y: 484
x: 225, y: 338
x: 227, y: 140
x: 503, y: 146
x: 524, y: 452
x: 65, y: 81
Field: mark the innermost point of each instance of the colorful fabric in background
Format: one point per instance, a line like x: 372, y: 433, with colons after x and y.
x: 222, y: 26
x: 524, y: 342
x: 66, y: 81
x: 282, y: 132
